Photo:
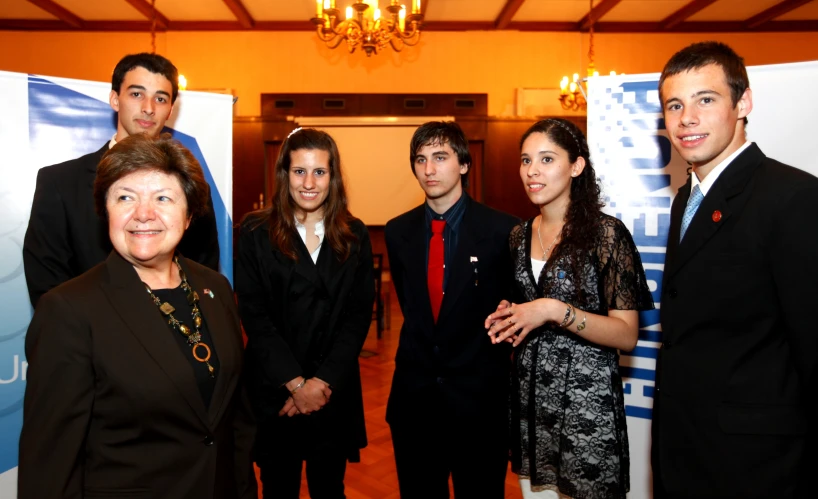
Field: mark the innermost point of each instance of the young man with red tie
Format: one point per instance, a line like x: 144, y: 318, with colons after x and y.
x: 450, y: 265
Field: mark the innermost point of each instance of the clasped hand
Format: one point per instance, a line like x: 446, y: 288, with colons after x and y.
x: 311, y: 397
x: 512, y: 322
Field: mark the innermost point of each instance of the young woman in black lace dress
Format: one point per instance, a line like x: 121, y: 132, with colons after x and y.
x: 580, y: 285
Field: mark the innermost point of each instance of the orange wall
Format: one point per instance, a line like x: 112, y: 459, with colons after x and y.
x: 496, y: 63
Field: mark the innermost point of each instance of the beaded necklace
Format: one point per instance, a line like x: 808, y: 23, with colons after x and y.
x: 193, y: 338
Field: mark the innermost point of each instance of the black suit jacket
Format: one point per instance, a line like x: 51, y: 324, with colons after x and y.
x: 455, y: 354
x: 65, y: 237
x: 112, y: 408
x: 735, y: 375
x: 305, y: 319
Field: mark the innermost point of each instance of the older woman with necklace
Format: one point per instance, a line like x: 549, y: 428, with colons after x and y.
x: 134, y: 367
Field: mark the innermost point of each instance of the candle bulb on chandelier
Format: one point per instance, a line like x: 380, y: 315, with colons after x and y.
x: 319, y: 8
x: 415, y: 6
x: 402, y: 18
x: 349, y: 13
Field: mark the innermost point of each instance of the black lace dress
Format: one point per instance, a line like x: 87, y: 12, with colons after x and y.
x: 567, y: 405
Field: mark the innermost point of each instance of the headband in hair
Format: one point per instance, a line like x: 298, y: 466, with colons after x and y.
x: 293, y: 132
x: 568, y: 129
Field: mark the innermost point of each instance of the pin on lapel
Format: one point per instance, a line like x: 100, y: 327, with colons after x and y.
x: 716, y: 216
x: 473, y: 261
x: 208, y: 292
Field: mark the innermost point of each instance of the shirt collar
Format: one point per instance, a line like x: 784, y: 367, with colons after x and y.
x: 319, y: 227
x: 453, y: 215
x: 112, y: 143
x: 710, y: 179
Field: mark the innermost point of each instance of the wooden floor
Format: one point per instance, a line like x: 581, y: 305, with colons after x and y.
x: 375, y: 475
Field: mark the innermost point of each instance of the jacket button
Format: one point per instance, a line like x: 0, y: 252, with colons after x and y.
x: 673, y: 293
x: 667, y: 344
x: 439, y: 380
x: 208, y: 440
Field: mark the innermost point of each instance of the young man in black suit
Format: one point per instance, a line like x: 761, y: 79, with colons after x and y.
x: 735, y: 381
x: 65, y: 237
x: 450, y: 265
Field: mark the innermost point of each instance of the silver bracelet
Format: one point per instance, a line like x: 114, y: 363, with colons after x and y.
x: 573, y: 317
x: 298, y: 386
x: 567, y: 316
x: 581, y: 325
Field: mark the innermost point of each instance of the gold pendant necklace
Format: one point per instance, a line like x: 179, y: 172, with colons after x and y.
x: 193, y: 338
x: 545, y: 251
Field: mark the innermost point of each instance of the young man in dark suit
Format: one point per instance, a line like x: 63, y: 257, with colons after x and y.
x: 735, y: 381
x: 450, y: 265
x: 65, y: 237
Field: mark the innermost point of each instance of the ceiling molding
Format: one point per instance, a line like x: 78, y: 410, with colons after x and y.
x: 685, y: 12
x: 543, y: 26
x: 507, y: 13
x: 240, y: 11
x: 144, y: 8
x: 776, y: 10
x: 34, y: 25
x: 59, y: 12
x: 537, y: 26
x: 596, y: 14
x: 706, y: 27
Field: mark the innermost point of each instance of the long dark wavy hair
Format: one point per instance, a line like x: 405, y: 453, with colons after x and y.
x: 585, y: 205
x: 280, y: 215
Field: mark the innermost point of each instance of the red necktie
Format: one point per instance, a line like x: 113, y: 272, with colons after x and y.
x: 434, y: 274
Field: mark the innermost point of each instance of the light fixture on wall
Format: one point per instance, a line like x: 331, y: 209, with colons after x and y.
x: 364, y: 26
x: 572, y: 93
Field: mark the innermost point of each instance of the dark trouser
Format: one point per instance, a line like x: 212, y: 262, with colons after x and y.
x: 281, y: 476
x: 428, y: 448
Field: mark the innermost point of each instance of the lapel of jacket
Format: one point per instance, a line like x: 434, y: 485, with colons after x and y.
x: 93, y: 221
x: 461, y: 271
x: 730, y: 183
x: 224, y: 336
x: 414, y: 249
x: 127, y: 295
x: 305, y: 267
x: 676, y: 213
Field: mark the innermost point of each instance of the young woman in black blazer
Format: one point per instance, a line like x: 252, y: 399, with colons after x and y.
x: 305, y: 287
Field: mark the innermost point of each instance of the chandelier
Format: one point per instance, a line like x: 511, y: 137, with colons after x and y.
x: 365, y: 27
x: 573, y: 94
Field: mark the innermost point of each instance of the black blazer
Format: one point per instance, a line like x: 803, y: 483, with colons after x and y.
x: 455, y: 353
x: 65, y: 237
x: 305, y: 319
x: 112, y: 408
x: 735, y: 375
